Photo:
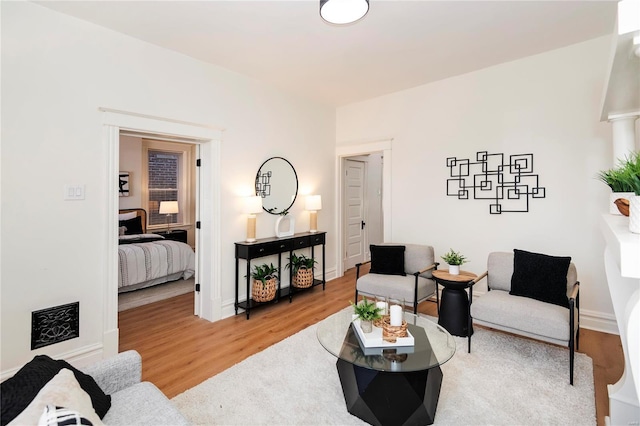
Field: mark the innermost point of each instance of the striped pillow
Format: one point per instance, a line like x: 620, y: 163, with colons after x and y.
x: 60, y: 416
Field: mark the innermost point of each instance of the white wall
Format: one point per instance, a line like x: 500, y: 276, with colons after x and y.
x: 547, y: 105
x: 56, y: 72
x: 131, y: 161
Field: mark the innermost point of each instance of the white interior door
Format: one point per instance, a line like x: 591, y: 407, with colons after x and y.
x: 354, y: 212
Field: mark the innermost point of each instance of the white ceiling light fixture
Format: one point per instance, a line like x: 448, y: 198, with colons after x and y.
x: 342, y: 12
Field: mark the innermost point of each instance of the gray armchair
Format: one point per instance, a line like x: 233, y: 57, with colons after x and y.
x: 414, y: 287
x: 525, y: 316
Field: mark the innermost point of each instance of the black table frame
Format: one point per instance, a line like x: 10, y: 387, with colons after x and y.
x: 276, y: 246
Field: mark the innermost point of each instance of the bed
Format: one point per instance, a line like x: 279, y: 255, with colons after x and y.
x: 146, y: 259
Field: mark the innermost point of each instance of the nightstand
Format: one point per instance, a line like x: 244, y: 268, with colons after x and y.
x: 175, y: 235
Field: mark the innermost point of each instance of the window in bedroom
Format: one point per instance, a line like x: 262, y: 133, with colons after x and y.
x: 168, y: 178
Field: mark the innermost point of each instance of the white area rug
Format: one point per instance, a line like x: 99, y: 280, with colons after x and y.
x: 136, y: 298
x: 505, y: 380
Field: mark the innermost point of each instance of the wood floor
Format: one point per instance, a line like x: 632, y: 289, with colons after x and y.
x: 180, y: 350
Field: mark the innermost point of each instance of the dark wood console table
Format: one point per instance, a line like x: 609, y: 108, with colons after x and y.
x: 276, y: 246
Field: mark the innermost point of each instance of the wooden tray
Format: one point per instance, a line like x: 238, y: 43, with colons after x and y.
x: 374, y: 339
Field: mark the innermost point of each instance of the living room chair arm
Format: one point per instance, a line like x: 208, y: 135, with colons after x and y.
x: 480, y: 277
x: 358, y: 265
x: 428, y: 268
x: 118, y: 372
x: 576, y: 289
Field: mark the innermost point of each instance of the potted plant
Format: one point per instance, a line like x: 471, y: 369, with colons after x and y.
x: 367, y: 311
x: 630, y: 170
x: 265, y: 282
x: 620, y: 179
x: 302, y: 270
x: 454, y: 260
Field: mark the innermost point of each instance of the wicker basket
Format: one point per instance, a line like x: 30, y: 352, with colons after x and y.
x: 303, y: 278
x: 266, y: 292
x: 390, y: 333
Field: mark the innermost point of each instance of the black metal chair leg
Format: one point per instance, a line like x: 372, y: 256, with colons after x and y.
x: 356, y: 299
x: 571, y: 356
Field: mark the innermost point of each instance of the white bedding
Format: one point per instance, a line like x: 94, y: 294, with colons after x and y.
x: 153, y: 262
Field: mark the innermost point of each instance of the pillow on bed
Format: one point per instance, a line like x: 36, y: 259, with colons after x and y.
x: 134, y: 226
x: 127, y: 216
x: 139, y: 238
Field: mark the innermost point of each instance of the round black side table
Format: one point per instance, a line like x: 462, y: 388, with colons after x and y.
x: 454, y: 314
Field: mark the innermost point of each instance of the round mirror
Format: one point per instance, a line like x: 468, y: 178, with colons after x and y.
x: 277, y: 184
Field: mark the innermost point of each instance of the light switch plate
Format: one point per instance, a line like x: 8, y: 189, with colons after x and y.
x: 74, y: 192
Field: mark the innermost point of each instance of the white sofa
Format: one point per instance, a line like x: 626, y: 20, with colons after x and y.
x: 45, y: 391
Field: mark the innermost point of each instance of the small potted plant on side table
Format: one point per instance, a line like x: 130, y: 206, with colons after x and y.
x: 302, y: 270
x: 367, y: 311
x: 454, y: 260
x: 265, y: 282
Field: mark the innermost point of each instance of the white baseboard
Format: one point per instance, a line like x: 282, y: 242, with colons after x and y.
x: 79, y: 358
x: 228, y: 307
x: 598, y: 321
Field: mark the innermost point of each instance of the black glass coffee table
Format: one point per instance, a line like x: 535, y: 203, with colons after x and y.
x: 389, y: 385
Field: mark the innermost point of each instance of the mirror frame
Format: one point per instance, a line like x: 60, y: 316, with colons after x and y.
x: 295, y: 196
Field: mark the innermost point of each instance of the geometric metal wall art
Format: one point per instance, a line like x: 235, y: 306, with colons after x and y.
x: 509, y: 185
x: 53, y: 325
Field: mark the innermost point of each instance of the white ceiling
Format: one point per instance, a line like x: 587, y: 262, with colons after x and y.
x: 398, y: 45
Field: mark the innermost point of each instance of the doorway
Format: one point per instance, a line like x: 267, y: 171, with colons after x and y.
x: 364, y: 201
x: 158, y: 169
x: 207, y: 304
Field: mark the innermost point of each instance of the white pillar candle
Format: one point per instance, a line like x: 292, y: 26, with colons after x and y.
x: 395, y: 315
x: 383, y: 307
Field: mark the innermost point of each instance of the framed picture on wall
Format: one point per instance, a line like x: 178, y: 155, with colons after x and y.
x: 123, y: 184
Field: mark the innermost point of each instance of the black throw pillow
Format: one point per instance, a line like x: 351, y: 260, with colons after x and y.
x: 17, y: 392
x: 388, y: 260
x: 134, y: 226
x: 540, y: 277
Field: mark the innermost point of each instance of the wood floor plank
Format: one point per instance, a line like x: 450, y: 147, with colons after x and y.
x: 180, y: 350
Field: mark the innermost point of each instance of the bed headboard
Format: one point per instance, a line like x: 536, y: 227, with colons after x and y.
x: 139, y: 212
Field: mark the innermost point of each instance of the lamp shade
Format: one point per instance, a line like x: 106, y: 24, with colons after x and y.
x: 253, y: 204
x: 343, y: 11
x: 168, y: 207
x: 313, y: 203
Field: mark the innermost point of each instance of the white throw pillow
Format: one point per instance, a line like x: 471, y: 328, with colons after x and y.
x: 127, y: 216
x: 59, y: 416
x: 62, y: 391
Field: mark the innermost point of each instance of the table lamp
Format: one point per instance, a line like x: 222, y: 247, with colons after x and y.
x: 168, y: 208
x: 313, y: 203
x: 253, y: 206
